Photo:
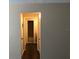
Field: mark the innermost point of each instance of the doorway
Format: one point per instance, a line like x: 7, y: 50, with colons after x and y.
x: 30, y: 35
x: 30, y: 31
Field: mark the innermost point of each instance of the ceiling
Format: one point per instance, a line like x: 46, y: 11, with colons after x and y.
x: 38, y: 1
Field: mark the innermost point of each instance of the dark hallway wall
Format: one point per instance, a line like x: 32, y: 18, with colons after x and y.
x: 55, y: 29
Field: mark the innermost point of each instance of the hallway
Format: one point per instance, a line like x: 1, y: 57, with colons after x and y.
x: 31, y: 52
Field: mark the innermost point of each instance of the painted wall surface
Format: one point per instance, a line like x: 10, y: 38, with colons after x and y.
x: 55, y: 29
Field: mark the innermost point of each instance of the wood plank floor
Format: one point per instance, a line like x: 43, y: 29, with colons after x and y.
x: 31, y: 52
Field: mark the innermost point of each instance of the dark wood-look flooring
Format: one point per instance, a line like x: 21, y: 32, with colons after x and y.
x: 31, y: 52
